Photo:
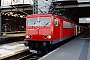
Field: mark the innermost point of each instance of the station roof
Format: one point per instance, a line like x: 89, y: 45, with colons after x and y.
x: 72, y: 10
x: 18, y: 8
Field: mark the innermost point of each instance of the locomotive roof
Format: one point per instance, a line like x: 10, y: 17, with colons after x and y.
x: 46, y: 15
x: 40, y: 15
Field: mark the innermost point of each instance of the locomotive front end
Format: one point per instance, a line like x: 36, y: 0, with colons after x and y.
x: 39, y: 31
x: 38, y: 28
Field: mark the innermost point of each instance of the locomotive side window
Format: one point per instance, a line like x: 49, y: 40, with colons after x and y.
x: 68, y: 24
x: 55, y: 22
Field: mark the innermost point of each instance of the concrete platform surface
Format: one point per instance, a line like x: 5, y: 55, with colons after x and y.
x: 76, y: 49
x: 12, y: 35
x: 10, y: 49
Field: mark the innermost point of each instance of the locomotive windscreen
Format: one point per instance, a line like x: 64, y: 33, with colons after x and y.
x: 38, y: 21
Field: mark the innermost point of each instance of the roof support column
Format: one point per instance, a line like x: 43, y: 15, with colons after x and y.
x: 0, y: 19
x: 0, y: 23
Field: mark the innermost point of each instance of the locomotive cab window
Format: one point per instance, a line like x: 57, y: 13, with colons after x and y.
x: 55, y: 22
x: 44, y: 21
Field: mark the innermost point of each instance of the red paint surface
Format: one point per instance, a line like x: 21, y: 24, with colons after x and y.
x: 56, y: 32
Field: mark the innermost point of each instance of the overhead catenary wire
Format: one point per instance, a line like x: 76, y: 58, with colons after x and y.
x: 20, y: 10
x: 53, y: 7
x: 43, y: 6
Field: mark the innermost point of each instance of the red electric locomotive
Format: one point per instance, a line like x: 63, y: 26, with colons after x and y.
x: 45, y: 30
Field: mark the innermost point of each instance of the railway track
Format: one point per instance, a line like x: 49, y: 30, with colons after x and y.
x: 26, y: 55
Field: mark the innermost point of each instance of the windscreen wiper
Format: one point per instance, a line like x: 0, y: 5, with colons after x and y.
x: 46, y: 24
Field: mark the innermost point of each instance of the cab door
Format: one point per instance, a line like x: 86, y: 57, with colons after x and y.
x: 56, y: 28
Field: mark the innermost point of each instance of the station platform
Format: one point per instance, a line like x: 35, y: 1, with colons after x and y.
x: 12, y: 36
x: 76, y: 49
x: 10, y: 49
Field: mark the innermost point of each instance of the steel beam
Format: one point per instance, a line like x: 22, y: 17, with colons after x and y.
x: 12, y: 9
x: 73, y: 5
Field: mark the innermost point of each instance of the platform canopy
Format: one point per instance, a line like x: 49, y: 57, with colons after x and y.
x: 72, y: 10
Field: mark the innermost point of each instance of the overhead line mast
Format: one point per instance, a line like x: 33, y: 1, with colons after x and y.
x: 35, y: 6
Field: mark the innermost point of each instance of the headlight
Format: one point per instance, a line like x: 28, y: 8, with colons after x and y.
x: 49, y: 36
x: 27, y: 36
